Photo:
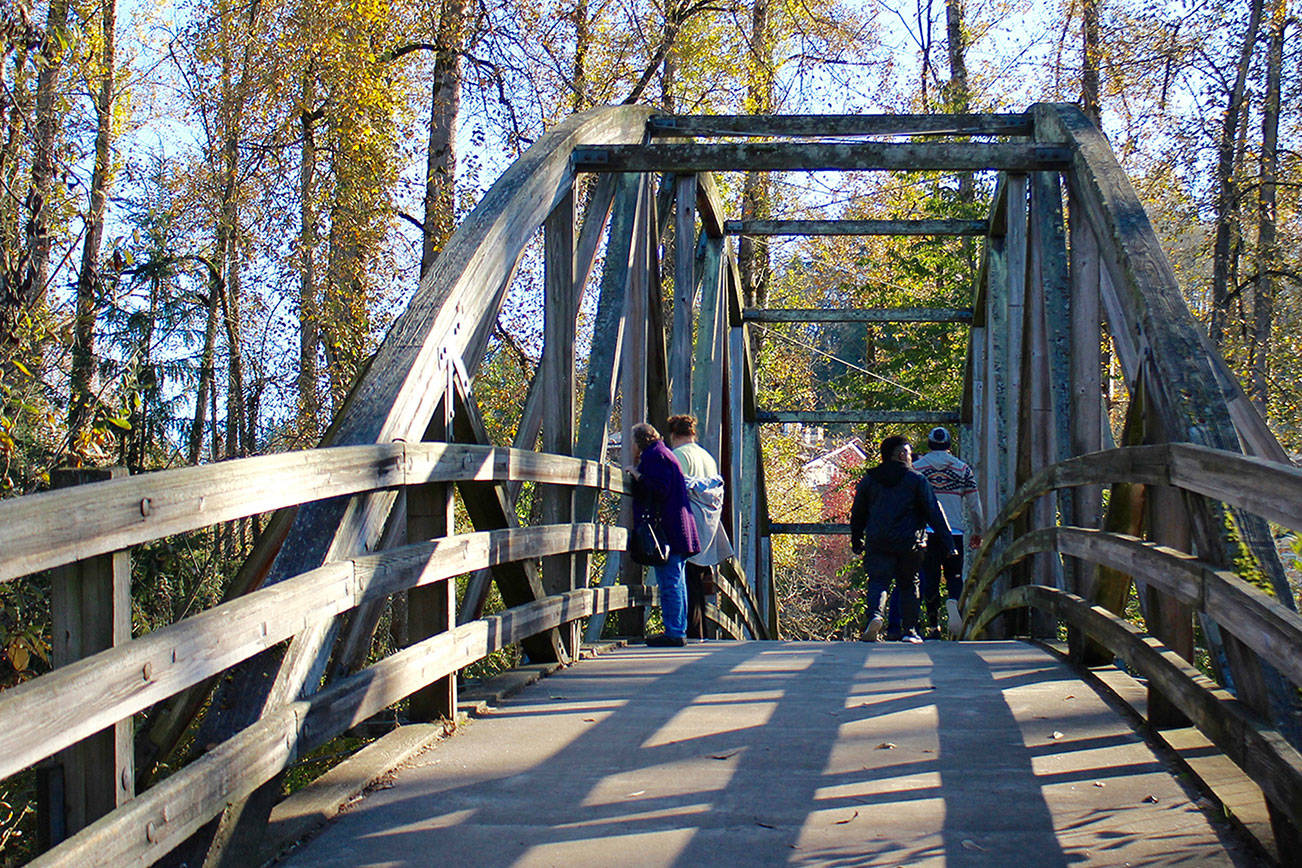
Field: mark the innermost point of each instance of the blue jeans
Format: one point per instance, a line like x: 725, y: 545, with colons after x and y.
x: 934, y: 563
x: 672, y: 579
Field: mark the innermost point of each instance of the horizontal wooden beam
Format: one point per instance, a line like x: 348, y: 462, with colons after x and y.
x: 36, y: 718
x: 858, y: 417
x: 808, y: 527
x: 855, y: 227
x: 822, y: 157
x: 834, y: 315
x: 146, y: 828
x: 47, y: 530
x: 843, y: 125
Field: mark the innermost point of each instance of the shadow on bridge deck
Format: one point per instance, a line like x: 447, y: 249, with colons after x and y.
x: 770, y: 753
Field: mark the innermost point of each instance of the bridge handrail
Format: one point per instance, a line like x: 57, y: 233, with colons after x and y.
x: 1262, y: 753
x: 54, y: 528
x: 734, y: 588
x: 152, y: 824
x: 1261, y: 623
x: 37, y: 720
x: 1266, y: 488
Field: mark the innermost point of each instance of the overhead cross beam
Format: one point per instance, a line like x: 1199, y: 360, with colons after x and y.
x: 856, y: 227
x: 843, y: 125
x: 822, y: 157
x: 839, y: 315
x: 859, y: 417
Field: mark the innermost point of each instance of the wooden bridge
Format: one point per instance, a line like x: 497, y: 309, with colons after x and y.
x: 1183, y: 506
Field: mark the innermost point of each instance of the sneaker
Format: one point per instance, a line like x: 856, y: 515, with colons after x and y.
x: 660, y: 640
x: 873, y: 632
x: 955, y: 618
x: 911, y: 637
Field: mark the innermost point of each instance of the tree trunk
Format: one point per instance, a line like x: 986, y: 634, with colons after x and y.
x: 1091, y: 105
x: 207, y: 373
x: 581, y: 39
x: 35, y: 273
x: 753, y: 253
x: 83, y: 343
x: 1263, y: 300
x: 445, y: 106
x: 1227, y: 194
x: 308, y: 312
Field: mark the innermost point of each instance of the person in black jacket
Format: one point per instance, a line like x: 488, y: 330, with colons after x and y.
x: 893, y: 504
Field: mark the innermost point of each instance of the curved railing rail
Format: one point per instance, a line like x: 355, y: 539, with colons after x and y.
x: 59, y: 709
x: 1271, y: 630
x: 54, y: 528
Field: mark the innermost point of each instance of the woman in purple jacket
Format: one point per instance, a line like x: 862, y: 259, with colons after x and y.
x: 660, y: 491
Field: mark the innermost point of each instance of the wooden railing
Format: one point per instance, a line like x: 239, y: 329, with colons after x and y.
x: 55, y: 711
x: 1239, y: 609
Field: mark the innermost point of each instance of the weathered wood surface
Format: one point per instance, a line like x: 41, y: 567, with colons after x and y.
x: 557, y: 367
x: 1264, y: 755
x: 820, y: 157
x: 36, y: 718
x: 856, y: 227
x: 1261, y: 623
x: 46, y: 530
x: 843, y: 125
x: 838, y: 315
x: 732, y: 585
x: 756, y: 753
x: 859, y: 417
x: 153, y: 824
x: 680, y: 342
x: 809, y: 527
x: 90, y: 611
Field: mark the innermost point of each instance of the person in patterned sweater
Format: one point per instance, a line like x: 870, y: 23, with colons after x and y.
x: 955, y: 486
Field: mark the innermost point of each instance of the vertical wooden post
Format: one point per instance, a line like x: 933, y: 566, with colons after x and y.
x: 560, y: 309
x: 707, y: 373
x: 1016, y: 250
x: 1167, y: 519
x: 633, y: 383
x: 680, y: 347
x: 90, y: 607
x: 1086, y: 371
x: 432, y: 609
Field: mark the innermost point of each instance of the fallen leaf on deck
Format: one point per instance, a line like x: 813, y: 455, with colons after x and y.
x: 1071, y: 696
x: 969, y: 844
x: 765, y: 825
x: 589, y: 720
x: 886, y: 745
x: 638, y: 793
x: 723, y: 756
x: 1056, y: 735
x: 846, y: 820
x: 1098, y: 783
x: 1150, y: 799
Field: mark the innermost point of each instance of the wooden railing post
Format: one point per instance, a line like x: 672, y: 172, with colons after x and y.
x: 90, y: 607
x: 432, y: 609
x: 560, y: 311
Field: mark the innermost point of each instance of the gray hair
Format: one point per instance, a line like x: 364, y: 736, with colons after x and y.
x: 645, y: 434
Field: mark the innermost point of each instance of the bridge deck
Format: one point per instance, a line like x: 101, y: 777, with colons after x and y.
x: 990, y: 753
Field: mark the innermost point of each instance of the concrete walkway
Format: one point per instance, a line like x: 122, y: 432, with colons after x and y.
x: 757, y: 753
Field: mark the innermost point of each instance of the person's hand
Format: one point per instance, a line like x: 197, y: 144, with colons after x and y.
x: 632, y: 471
x: 976, y: 541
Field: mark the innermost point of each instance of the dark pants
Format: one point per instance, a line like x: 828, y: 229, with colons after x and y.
x: 700, y: 581
x: 900, y: 571
x: 935, y: 563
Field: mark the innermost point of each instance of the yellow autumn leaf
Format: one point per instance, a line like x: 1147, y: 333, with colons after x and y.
x: 19, y: 656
